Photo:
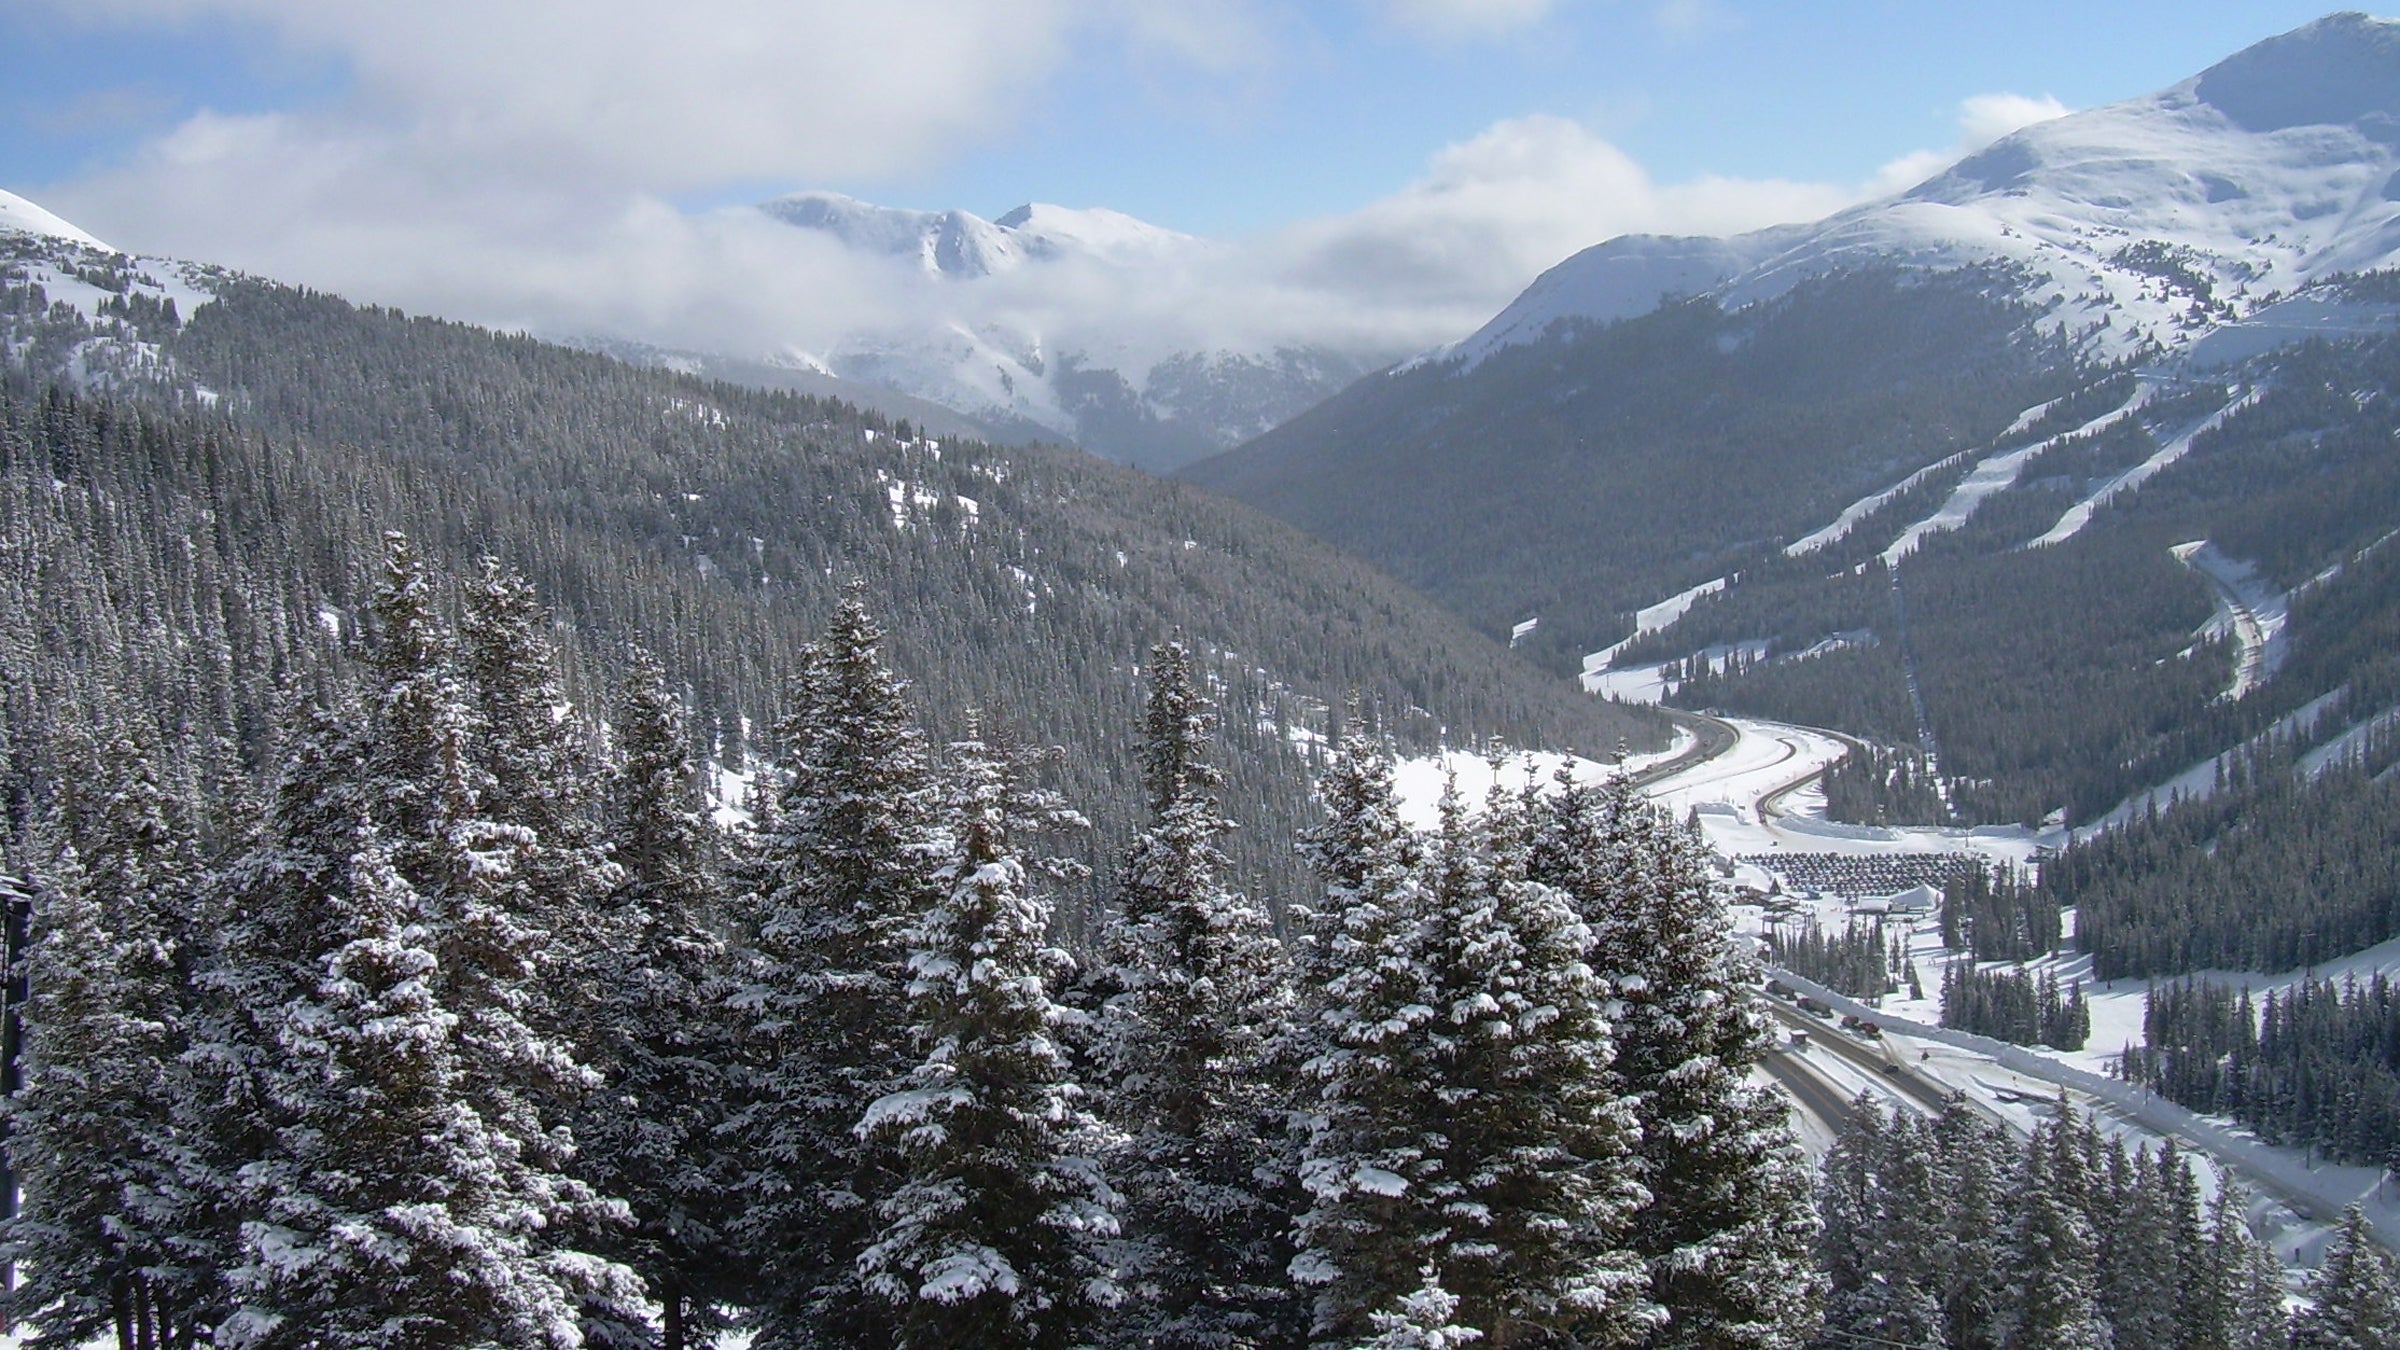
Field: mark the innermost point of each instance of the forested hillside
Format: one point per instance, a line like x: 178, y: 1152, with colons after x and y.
x: 254, y: 450
x: 2239, y: 583
x: 1581, y: 477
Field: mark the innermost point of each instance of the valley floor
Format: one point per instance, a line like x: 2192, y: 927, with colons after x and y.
x: 1757, y: 797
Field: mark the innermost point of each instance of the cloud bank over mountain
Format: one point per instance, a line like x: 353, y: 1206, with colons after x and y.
x: 556, y: 172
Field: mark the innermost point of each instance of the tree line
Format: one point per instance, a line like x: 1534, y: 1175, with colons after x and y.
x: 2012, y: 1005
x: 2315, y: 1065
x: 1862, y: 960
x: 2274, y: 870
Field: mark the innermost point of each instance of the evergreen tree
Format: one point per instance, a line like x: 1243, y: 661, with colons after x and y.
x: 2242, y: 1287
x: 268, y: 958
x: 2138, y: 1269
x: 1729, y: 1228
x: 1424, y: 1320
x: 477, y: 879
x: 390, y: 1212
x: 1973, y: 1252
x: 2354, y: 1296
x: 137, y: 863
x: 1849, y: 1203
x: 992, y: 1237
x: 1533, y: 1191
x: 84, y: 1131
x: 1186, y: 1047
x: 2055, y: 1301
x: 1373, y: 1140
x: 1889, y: 1289
x: 660, y: 1034
x: 537, y: 777
x: 846, y: 871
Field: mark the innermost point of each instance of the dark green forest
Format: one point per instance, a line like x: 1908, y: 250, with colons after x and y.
x: 174, y: 544
x: 1586, y: 475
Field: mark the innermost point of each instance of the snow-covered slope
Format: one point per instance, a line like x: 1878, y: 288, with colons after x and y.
x: 2162, y: 219
x: 19, y: 216
x: 78, y: 330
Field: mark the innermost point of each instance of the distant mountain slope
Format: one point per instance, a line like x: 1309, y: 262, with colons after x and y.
x: 1578, y: 479
x: 228, y: 451
x: 2064, y: 470
x: 2147, y: 222
x: 2207, y: 223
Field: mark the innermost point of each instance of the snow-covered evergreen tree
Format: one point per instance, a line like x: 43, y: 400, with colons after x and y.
x: 661, y: 1037
x: 2353, y: 1296
x: 477, y: 879
x: 389, y: 1211
x: 1972, y: 1253
x: 843, y: 872
x: 993, y: 1236
x: 2241, y: 1285
x: 85, y: 1130
x: 1424, y: 1320
x: 2138, y: 1267
x: 372, y: 962
x: 136, y: 866
x: 537, y: 774
x: 2053, y: 1294
x: 1186, y: 1047
x: 1729, y: 1228
x: 1533, y: 1192
x: 1373, y: 1131
x: 267, y: 957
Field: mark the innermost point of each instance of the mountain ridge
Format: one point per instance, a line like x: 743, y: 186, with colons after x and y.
x: 2236, y: 173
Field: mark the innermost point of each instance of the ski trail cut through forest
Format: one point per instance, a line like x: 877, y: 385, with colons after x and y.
x: 2080, y: 514
x: 1995, y: 474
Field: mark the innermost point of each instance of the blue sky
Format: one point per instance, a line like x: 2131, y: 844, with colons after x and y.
x: 509, y: 160
x: 1330, y: 106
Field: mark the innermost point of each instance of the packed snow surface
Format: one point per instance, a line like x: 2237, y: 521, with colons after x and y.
x: 1995, y: 474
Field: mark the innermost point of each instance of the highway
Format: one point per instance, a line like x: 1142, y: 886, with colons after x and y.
x: 1808, y: 1089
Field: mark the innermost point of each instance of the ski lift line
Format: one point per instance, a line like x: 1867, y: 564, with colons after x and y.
x: 1908, y: 664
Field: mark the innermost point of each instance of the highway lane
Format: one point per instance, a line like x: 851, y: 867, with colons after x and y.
x: 1809, y: 1090
x: 1711, y: 738
x: 1876, y: 1059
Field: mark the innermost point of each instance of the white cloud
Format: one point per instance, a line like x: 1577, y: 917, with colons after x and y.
x: 632, y: 93
x: 1982, y: 119
x: 509, y: 162
x: 392, y: 219
x: 1441, y: 255
x: 1985, y: 118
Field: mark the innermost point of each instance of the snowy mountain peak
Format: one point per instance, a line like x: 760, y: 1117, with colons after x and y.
x: 964, y: 246
x: 2170, y: 219
x: 942, y: 243
x: 1094, y: 231
x: 2341, y: 69
x: 20, y: 216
